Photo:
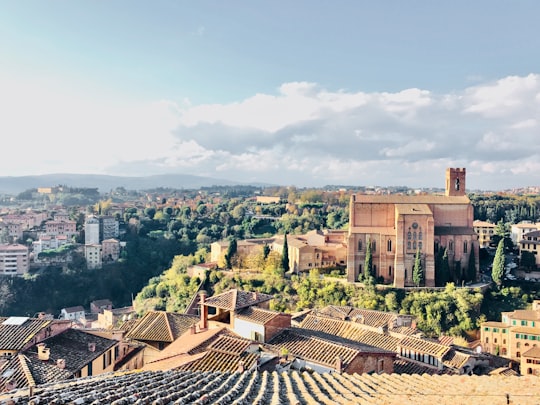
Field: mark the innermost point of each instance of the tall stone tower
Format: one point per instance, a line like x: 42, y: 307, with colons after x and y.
x: 455, y: 182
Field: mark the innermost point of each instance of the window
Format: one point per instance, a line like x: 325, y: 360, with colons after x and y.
x: 414, y: 245
x: 414, y: 235
x: 373, y: 246
x: 408, y: 244
x: 494, y: 340
x: 359, y: 245
x: 420, y: 235
x: 420, y: 245
x: 450, y: 246
x: 487, y: 340
x: 409, y: 235
x: 465, y: 247
x: 389, y: 245
x: 390, y: 270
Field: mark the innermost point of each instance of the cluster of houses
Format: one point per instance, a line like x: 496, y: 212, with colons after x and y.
x: 235, y: 334
x: 101, y: 240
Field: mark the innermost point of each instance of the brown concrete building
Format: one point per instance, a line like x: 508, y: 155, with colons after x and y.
x: 397, y: 226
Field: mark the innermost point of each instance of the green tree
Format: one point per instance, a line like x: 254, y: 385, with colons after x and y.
x: 266, y: 251
x: 285, y: 255
x: 528, y: 260
x: 418, y: 271
x: 442, y: 271
x: 498, y: 264
x: 368, y: 262
x: 231, y: 251
x: 471, y: 268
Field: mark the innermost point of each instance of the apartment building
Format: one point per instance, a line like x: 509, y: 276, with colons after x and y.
x: 55, y: 228
x: 14, y: 260
x: 91, y: 231
x: 517, y: 231
x: 530, y: 242
x: 516, y: 333
x: 485, y: 231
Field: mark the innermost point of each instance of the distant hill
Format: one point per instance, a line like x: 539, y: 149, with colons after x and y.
x: 16, y: 184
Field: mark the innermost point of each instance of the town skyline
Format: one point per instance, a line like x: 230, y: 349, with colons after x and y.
x: 290, y: 94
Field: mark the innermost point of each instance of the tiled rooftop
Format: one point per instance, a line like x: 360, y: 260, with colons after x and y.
x: 161, y: 326
x: 236, y: 299
x: 15, y: 336
x: 320, y: 347
x: 191, y: 387
x: 256, y: 315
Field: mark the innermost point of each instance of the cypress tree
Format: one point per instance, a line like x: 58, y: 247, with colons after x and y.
x: 418, y: 271
x: 231, y: 250
x: 368, y: 262
x: 285, y: 254
x: 471, y: 268
x: 498, y: 264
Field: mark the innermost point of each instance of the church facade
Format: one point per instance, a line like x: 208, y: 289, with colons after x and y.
x: 397, y: 226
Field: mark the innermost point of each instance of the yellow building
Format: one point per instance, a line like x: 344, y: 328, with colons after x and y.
x: 397, y: 226
x: 484, y: 230
x: 514, y: 335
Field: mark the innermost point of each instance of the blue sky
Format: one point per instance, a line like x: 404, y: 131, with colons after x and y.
x: 303, y: 93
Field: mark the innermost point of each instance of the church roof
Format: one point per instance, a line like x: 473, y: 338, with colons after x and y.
x: 411, y: 199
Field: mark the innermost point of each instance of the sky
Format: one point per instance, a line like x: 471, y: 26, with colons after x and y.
x: 306, y: 93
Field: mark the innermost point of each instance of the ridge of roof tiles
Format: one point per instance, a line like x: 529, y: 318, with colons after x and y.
x: 252, y: 387
x: 161, y: 326
x: 236, y: 299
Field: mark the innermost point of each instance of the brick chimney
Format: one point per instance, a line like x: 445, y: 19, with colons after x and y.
x: 339, y: 364
x: 91, y: 347
x: 193, y: 329
x: 61, y: 364
x: 43, y: 352
x: 203, y: 325
x: 241, y: 367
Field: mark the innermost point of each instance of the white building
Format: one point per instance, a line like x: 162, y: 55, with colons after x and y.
x: 518, y: 230
x: 91, y: 231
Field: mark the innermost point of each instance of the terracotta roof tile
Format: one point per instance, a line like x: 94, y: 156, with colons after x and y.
x: 257, y: 315
x: 161, y: 326
x: 236, y: 299
x: 16, y: 336
x: 196, y: 387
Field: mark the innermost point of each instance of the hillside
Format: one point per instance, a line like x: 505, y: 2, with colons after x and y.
x: 104, y: 183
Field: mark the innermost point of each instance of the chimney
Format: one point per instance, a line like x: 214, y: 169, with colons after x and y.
x: 43, y: 352
x: 92, y: 347
x: 10, y: 385
x: 193, y: 329
x: 241, y: 367
x: 204, y: 311
x: 61, y: 364
x: 339, y: 364
x: 254, y: 295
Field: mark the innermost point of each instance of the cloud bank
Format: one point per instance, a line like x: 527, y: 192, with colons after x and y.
x: 302, y: 135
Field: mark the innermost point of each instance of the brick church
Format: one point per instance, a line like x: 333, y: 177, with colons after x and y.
x: 399, y: 225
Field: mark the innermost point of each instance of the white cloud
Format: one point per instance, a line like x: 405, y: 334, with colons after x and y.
x: 303, y: 134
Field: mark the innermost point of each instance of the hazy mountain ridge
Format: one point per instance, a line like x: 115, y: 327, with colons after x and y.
x: 105, y: 183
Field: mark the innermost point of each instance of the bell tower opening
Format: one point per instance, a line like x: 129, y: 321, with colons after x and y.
x: 455, y: 182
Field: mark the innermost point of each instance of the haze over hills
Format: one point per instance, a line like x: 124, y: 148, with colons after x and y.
x: 105, y: 183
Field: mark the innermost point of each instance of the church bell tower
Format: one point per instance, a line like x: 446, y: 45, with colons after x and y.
x: 455, y: 182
